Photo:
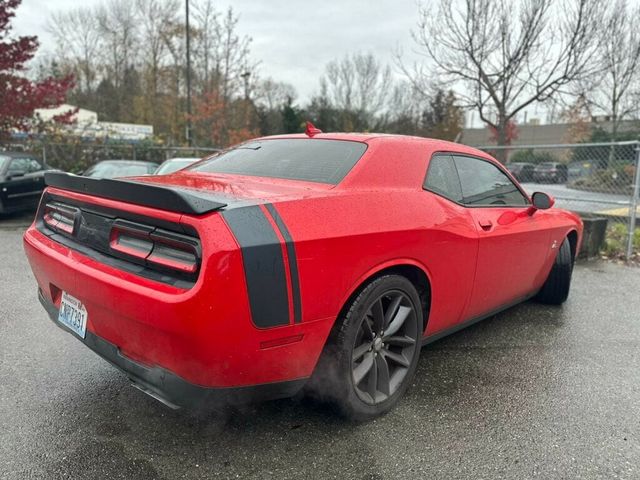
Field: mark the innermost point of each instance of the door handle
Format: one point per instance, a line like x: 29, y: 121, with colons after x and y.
x: 486, y: 224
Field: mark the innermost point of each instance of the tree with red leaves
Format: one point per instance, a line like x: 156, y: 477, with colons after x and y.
x: 19, y: 96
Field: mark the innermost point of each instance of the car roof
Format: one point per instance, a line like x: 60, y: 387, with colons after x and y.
x: 390, y: 160
x: 354, y: 137
x: 385, y: 139
x: 17, y: 154
x: 127, y: 162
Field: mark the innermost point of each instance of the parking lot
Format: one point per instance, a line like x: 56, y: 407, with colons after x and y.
x: 579, y: 200
x: 533, y: 392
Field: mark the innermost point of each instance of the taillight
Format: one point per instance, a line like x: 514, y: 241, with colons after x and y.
x: 175, y: 252
x: 60, y: 218
x: 131, y: 240
x: 157, y: 248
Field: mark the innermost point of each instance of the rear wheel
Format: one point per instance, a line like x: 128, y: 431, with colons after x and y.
x: 373, y: 351
x: 556, y: 288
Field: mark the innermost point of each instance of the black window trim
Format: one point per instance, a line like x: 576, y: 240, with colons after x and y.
x: 495, y: 164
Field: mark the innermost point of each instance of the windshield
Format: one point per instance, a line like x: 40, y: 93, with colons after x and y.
x: 323, y: 161
x: 114, y: 170
x: 174, y: 165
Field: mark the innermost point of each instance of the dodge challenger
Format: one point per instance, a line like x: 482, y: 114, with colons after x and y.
x: 312, y: 262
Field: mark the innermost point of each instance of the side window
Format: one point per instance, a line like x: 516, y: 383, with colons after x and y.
x: 485, y: 184
x: 442, y: 178
x: 26, y: 165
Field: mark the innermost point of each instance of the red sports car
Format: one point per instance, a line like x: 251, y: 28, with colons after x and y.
x: 319, y: 260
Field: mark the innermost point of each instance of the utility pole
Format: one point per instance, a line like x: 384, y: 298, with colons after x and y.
x: 245, y: 76
x: 188, y: 73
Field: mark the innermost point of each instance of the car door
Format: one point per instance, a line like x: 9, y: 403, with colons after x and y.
x: 513, y: 240
x: 24, y: 182
x: 453, y: 245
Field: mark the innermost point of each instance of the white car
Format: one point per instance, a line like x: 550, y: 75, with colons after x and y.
x: 174, y: 164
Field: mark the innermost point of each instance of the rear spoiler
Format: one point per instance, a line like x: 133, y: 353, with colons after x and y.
x: 163, y: 197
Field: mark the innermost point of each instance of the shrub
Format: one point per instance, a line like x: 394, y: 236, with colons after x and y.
x: 615, y: 244
x: 615, y: 180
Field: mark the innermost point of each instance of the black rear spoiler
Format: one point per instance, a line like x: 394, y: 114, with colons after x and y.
x: 172, y: 199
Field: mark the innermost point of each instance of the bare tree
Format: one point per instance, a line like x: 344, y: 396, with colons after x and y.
x: 207, y: 27
x: 273, y: 94
x: 358, y: 84
x: 117, y: 23
x: 79, y: 43
x: 221, y: 55
x: 502, y: 56
x: 616, y: 91
x: 156, y: 18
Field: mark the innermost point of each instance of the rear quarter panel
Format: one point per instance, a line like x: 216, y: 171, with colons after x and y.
x: 344, y: 239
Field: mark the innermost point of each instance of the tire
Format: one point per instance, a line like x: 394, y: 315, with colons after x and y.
x: 556, y: 288
x: 364, y: 370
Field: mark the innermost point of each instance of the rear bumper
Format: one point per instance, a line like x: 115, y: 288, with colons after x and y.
x: 169, y: 388
x: 203, y: 335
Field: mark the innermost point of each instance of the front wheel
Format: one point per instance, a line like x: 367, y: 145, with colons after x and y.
x: 372, y: 353
x: 556, y: 288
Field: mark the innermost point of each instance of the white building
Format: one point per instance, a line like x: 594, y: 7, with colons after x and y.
x: 87, y: 125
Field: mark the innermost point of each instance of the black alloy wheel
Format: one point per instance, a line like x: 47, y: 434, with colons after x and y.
x: 372, y: 352
x: 384, y: 346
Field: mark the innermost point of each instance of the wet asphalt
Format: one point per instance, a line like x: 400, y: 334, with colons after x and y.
x: 534, y: 392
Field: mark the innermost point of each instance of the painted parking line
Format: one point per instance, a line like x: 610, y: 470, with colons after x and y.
x: 618, y: 212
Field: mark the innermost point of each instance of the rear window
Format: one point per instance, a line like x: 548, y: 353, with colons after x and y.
x: 323, y: 161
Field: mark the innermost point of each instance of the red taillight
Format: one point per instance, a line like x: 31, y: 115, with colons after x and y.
x: 60, y: 218
x: 157, y: 248
x: 173, y: 258
x: 131, y: 239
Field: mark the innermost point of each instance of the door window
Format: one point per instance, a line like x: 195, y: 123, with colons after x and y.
x: 484, y: 184
x: 25, y: 165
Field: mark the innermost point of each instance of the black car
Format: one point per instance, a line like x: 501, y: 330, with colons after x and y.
x: 523, y: 171
x: 120, y: 168
x: 551, y: 172
x: 21, y: 181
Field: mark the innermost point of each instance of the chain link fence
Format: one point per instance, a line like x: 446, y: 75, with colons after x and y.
x: 76, y: 157
x: 595, y: 180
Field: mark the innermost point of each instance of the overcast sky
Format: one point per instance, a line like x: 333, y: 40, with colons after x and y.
x: 293, y: 40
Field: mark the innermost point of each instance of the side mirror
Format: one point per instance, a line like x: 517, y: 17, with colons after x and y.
x: 16, y: 174
x: 542, y: 201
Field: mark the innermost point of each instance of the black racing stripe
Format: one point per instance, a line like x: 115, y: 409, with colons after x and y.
x: 263, y: 265
x: 293, y: 262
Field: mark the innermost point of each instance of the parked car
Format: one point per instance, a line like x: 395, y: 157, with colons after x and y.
x: 174, y: 164
x: 522, y: 171
x: 550, y: 172
x: 21, y: 181
x: 325, y: 260
x: 580, y: 169
x: 120, y: 168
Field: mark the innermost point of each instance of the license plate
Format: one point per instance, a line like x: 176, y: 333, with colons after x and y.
x: 73, y: 315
